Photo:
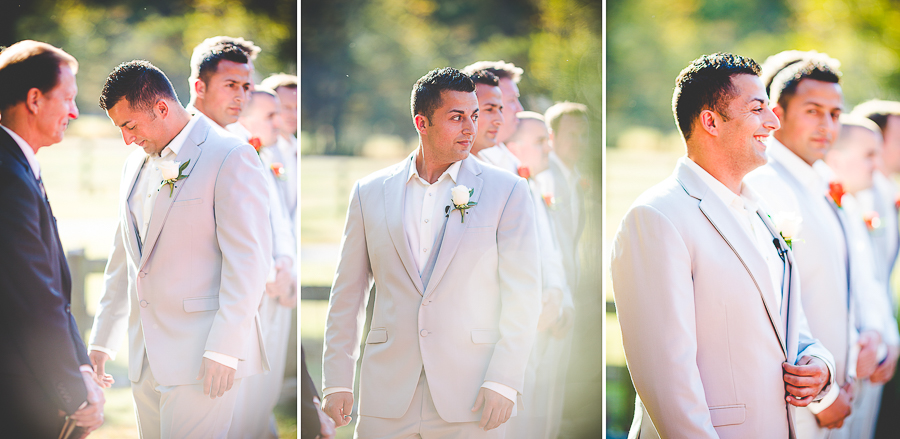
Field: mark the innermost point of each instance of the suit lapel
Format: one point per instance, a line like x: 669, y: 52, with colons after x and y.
x: 454, y: 227
x: 786, y: 286
x: 132, y: 171
x: 394, y: 196
x: 724, y: 222
x: 189, y: 151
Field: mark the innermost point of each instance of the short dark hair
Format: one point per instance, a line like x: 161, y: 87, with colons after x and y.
x: 878, y: 111
x: 485, y: 77
x: 706, y: 84
x: 426, y: 93
x: 207, y: 55
x: 30, y: 64
x: 778, y: 62
x: 140, y: 83
x: 279, y: 80
x: 501, y: 69
x: 817, y: 66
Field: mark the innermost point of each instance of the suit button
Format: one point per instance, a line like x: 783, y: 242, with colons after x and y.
x: 425, y: 302
x: 68, y: 309
x: 142, y: 274
x: 144, y: 303
x: 424, y: 333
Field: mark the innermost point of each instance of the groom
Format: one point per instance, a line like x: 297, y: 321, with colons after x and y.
x: 458, y: 291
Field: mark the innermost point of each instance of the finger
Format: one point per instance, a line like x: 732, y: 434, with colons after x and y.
x: 495, y: 418
x: 230, y: 381
x: 798, y: 402
x: 223, y: 384
x: 207, y: 383
x: 485, y: 417
x: 478, y: 400
x: 801, y: 370
x: 202, y: 372
x: 801, y: 381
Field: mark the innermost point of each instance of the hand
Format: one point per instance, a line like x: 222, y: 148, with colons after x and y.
x: 866, y: 362
x: 885, y: 371
x: 804, y: 381
x: 288, y: 300
x: 283, y: 278
x: 90, y: 416
x: 98, y: 362
x: 497, y: 408
x: 834, y: 415
x: 327, y: 424
x: 564, y: 324
x: 549, y: 309
x: 217, y: 378
x: 338, y: 407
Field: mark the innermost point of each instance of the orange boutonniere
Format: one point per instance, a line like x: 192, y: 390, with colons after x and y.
x: 524, y: 172
x: 255, y: 143
x: 279, y: 171
x: 549, y: 201
x: 585, y: 184
x: 872, y: 220
x: 897, y: 202
x: 836, y: 191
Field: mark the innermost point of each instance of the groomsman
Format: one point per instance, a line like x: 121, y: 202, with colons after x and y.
x: 704, y: 284
x: 285, y: 152
x: 795, y: 183
x: 189, y: 260
x: 221, y: 78
x: 853, y: 159
x: 452, y: 249
x: 45, y: 373
x: 508, y: 76
x: 490, y: 112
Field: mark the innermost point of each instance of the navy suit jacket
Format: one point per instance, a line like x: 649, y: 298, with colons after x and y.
x: 40, y: 343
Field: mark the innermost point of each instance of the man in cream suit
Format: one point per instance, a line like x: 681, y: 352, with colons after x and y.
x: 708, y: 305
x: 795, y: 183
x: 457, y: 290
x: 189, y: 260
x: 508, y: 75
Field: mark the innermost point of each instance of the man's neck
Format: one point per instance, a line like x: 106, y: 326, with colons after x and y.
x: 731, y: 178
x: 428, y: 170
x: 198, y: 104
x: 20, y: 125
x: 478, y: 148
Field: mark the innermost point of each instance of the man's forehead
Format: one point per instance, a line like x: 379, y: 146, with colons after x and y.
x: 820, y: 92
x: 452, y: 100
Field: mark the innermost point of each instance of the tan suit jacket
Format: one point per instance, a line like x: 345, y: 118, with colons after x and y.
x: 703, y: 335
x: 197, y: 280
x: 473, y: 320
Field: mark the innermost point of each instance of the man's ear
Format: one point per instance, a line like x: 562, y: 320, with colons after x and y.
x: 709, y: 121
x: 421, y: 123
x: 779, y: 112
x: 199, y: 88
x: 162, y: 107
x: 32, y: 100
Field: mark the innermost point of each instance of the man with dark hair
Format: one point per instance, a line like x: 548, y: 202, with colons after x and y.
x: 508, y: 75
x: 703, y: 282
x: 490, y: 110
x: 457, y: 276
x: 45, y: 373
x: 221, y: 77
x: 189, y: 260
x: 795, y: 183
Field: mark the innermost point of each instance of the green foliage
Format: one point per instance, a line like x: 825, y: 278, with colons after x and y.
x: 102, y: 34
x: 361, y: 58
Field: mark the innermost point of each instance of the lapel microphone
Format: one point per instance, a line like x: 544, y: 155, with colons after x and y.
x: 778, y: 247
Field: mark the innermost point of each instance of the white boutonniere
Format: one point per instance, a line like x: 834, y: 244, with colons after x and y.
x: 172, y: 172
x: 788, y: 225
x: 459, y: 197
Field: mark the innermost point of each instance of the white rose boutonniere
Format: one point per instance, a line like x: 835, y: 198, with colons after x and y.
x: 459, y: 197
x: 172, y: 172
x: 788, y: 224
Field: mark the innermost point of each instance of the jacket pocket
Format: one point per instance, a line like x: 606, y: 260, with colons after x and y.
x: 187, y: 202
x: 376, y: 335
x: 485, y: 336
x: 196, y: 304
x: 728, y: 414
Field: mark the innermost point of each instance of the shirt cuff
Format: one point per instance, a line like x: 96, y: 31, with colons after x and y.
x: 110, y: 352
x: 831, y: 381
x: 504, y: 390
x: 225, y: 360
x: 825, y: 402
x: 86, y: 368
x: 330, y: 390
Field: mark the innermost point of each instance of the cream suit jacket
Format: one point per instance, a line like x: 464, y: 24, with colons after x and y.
x: 197, y: 281
x: 703, y: 336
x: 473, y: 321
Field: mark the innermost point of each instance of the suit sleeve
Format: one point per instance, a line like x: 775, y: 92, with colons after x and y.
x: 347, y: 304
x: 244, y: 236
x: 33, y: 315
x: 111, y: 321
x: 519, y: 272
x: 654, y: 293
x: 310, y: 427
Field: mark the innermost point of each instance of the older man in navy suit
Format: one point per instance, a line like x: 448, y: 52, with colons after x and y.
x: 45, y: 373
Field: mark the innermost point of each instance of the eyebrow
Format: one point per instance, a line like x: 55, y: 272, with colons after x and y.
x: 125, y: 123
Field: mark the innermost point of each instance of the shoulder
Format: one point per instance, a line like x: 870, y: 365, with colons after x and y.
x: 665, y: 196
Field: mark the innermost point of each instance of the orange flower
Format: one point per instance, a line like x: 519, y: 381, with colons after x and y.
x: 836, y: 191
x: 524, y: 172
x: 549, y: 200
x: 255, y: 143
x: 897, y: 202
x: 872, y: 220
x: 278, y: 170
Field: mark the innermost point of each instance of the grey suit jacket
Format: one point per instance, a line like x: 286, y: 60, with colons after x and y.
x: 473, y: 321
x: 702, y: 332
x: 568, y: 227
x: 197, y: 281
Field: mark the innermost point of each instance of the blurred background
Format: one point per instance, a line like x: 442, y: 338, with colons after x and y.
x: 359, y: 60
x: 82, y: 173
x: 649, y: 42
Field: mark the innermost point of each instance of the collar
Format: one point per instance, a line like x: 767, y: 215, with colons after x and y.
x: 174, y: 146
x: 810, y: 176
x: 29, y: 153
x: 452, y: 171
x: 746, y: 200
